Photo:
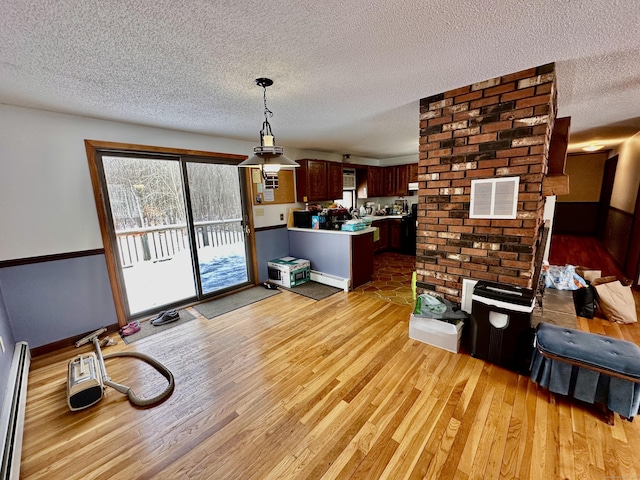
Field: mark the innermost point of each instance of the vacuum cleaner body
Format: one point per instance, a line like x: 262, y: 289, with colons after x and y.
x: 85, y: 386
x: 88, y: 377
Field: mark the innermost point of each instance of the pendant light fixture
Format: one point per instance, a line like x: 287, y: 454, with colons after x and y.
x: 267, y: 157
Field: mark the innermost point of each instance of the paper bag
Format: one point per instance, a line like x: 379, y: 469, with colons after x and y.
x: 616, y: 302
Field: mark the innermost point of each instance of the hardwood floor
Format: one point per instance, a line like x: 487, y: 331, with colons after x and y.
x: 581, y: 250
x: 292, y: 388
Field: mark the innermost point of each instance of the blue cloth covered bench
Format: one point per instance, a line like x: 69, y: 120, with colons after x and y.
x: 589, y: 367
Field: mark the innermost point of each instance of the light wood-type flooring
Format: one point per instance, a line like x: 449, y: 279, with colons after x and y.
x: 293, y: 388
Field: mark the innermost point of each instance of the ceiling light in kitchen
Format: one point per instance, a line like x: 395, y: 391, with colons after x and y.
x: 268, y: 157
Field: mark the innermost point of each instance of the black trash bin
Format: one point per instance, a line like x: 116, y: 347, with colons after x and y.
x: 501, y: 330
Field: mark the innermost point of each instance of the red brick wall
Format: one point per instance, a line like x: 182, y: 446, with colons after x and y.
x: 496, y: 128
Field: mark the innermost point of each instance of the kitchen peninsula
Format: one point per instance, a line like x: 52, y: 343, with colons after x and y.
x: 345, y: 259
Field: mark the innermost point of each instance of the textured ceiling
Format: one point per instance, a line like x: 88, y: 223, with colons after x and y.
x: 348, y: 74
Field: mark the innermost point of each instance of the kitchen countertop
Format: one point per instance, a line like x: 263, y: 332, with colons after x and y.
x: 373, y: 218
x: 334, y: 232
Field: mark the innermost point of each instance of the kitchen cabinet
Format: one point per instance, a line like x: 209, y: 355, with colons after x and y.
x: 370, y: 182
x: 389, y: 182
x: 392, y: 181
x: 390, y: 233
x: 375, y: 181
x: 401, y: 174
x: 334, y: 180
x: 342, y: 255
x: 383, y: 228
x: 318, y: 180
x: 413, y: 172
x: 394, y: 233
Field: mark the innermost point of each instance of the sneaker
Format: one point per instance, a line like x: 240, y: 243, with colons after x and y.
x: 167, y: 317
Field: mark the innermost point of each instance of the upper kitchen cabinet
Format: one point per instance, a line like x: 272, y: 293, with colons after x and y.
x: 370, y: 182
x: 390, y: 181
x: 318, y: 180
x: 334, y: 181
x: 413, y: 172
x: 402, y: 180
x: 395, y: 181
x: 389, y: 184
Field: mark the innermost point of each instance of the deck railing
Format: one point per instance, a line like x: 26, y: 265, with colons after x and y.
x: 156, y: 244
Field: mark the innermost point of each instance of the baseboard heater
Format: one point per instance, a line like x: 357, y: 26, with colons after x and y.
x: 331, y: 280
x: 13, y: 409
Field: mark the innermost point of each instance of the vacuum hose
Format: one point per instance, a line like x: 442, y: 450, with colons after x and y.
x: 133, y: 398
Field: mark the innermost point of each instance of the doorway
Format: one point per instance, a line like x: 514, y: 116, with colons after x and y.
x: 175, y: 225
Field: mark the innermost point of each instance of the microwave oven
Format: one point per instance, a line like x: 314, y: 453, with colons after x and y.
x: 302, y: 218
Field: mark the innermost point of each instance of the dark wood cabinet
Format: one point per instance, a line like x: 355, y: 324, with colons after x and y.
x: 394, y: 233
x: 383, y: 243
x: 318, y: 180
x: 389, y: 185
x: 334, y: 180
x: 413, y: 172
x: 361, y: 259
x: 369, y: 182
x: 390, y: 181
x: 401, y: 180
x: 390, y: 234
x: 375, y: 181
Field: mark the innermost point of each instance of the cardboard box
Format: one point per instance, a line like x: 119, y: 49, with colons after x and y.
x: 588, y: 273
x: 289, y: 271
x: 438, y: 333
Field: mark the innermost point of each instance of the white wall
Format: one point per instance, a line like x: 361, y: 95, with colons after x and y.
x: 625, y: 185
x: 46, y: 199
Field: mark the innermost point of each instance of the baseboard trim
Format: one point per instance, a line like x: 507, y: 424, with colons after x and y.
x: 331, y: 280
x: 67, y: 342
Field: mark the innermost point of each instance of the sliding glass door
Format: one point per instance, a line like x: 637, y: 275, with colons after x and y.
x: 179, y: 228
x: 216, y: 208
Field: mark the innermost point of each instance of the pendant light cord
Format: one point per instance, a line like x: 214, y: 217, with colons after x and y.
x: 266, y: 126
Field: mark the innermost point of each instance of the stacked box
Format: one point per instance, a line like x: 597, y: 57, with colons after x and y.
x: 438, y: 333
x: 289, y: 271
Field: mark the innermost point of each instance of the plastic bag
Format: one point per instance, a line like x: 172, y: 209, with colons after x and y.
x: 563, y: 278
x: 430, y: 306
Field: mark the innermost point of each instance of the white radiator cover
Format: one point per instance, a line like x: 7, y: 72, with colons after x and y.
x: 13, y: 409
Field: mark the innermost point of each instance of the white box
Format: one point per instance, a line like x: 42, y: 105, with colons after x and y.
x: 436, y: 332
x: 289, y: 271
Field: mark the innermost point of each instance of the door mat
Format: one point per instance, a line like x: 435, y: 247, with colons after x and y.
x: 314, y: 290
x: 146, y: 329
x: 234, y: 301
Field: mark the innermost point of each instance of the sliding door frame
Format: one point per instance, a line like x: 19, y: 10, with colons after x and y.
x: 96, y: 147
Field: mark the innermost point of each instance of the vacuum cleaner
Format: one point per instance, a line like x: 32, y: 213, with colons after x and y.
x: 88, y: 378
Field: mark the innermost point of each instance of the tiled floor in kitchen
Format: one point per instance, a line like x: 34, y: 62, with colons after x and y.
x: 391, y: 279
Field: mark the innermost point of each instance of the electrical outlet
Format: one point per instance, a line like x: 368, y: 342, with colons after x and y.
x: 2, y: 344
x: 281, y: 216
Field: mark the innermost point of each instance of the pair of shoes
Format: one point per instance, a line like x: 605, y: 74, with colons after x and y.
x: 108, y: 341
x: 166, y: 317
x: 130, y: 328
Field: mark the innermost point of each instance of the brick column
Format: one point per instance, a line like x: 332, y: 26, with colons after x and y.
x: 496, y: 128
